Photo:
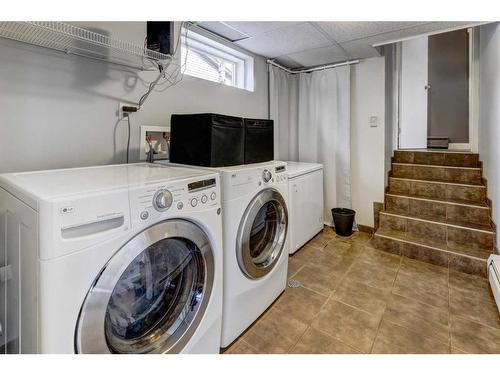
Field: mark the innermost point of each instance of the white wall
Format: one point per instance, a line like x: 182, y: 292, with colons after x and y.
x: 60, y: 111
x: 489, y: 112
x: 367, y: 143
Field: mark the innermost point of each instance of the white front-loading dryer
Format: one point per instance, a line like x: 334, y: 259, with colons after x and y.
x: 255, y: 228
x: 114, y: 259
x: 255, y: 221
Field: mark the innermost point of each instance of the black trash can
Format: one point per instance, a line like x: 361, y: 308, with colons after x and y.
x: 343, y: 218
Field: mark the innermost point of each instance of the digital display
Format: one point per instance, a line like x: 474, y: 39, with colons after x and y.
x: 281, y: 168
x: 203, y: 184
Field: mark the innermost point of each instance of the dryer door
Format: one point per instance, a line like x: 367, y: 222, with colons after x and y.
x: 151, y: 296
x: 262, y: 233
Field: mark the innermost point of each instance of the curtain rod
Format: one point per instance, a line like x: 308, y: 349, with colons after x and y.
x: 348, y: 62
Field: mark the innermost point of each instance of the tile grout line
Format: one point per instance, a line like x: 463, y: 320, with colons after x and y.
x: 295, y: 273
x: 438, y: 182
x: 385, y: 308
x: 436, y: 166
x: 357, y: 308
x: 329, y: 298
x: 358, y: 256
x: 294, y: 345
x: 319, y: 311
x: 417, y: 218
x: 309, y: 324
x: 443, y: 201
x: 425, y: 303
x: 410, y: 241
x: 250, y: 345
x: 449, y: 301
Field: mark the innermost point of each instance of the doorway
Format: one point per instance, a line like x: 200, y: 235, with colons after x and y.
x: 434, y: 92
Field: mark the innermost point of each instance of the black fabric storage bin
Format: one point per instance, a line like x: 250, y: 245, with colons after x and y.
x: 207, y: 139
x: 259, y: 140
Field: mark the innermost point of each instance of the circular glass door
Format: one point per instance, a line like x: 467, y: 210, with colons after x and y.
x: 151, y: 295
x: 262, y: 233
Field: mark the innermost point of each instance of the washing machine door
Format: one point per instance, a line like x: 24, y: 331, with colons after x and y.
x: 262, y: 233
x: 152, y: 294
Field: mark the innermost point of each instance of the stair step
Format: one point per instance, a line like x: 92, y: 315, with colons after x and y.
x: 465, y: 175
x: 457, y: 202
x: 441, y: 209
x: 485, y: 228
x: 460, y: 258
x: 481, y: 254
x: 445, y: 158
x: 471, y: 236
x: 437, y: 190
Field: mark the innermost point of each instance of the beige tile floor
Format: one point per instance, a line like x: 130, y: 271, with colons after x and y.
x: 355, y: 299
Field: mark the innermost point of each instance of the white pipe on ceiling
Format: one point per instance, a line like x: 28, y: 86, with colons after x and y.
x: 308, y: 70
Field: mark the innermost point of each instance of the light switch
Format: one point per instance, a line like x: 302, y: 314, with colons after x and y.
x: 373, y: 121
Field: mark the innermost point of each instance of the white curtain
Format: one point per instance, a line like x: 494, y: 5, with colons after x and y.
x: 311, y: 113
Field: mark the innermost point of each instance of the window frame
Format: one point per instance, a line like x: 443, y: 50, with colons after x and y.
x: 244, y: 63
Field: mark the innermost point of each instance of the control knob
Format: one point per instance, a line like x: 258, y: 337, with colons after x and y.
x: 162, y: 200
x: 266, y: 175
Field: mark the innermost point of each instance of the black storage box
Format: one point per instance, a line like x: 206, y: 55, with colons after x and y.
x: 207, y: 139
x: 259, y: 140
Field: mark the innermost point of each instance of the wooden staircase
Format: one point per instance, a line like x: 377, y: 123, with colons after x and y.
x: 436, y: 210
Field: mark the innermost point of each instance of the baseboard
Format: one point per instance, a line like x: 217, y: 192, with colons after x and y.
x: 366, y: 229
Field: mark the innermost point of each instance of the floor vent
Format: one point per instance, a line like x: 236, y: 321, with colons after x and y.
x: 292, y: 283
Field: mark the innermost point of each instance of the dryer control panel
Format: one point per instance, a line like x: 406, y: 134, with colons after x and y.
x: 150, y: 203
x: 252, y: 178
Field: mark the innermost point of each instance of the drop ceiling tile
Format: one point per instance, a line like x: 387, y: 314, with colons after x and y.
x: 288, y: 62
x: 430, y: 27
x: 286, y: 40
x: 320, y: 56
x: 257, y: 28
x: 347, y: 31
x: 359, y: 49
x: 223, y: 30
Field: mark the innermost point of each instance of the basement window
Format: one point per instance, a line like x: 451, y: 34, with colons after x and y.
x: 213, y: 61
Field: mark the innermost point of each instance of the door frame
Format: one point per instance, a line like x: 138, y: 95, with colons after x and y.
x: 400, y: 92
x: 473, y: 89
x: 472, y: 145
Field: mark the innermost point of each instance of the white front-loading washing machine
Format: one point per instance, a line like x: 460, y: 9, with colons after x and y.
x: 255, y: 226
x: 113, y: 259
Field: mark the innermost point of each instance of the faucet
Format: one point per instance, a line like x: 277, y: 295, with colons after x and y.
x: 151, y: 152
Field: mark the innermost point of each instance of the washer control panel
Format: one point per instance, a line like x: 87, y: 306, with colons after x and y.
x: 152, y: 202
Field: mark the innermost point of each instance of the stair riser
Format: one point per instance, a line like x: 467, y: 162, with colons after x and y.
x: 474, y: 239
x: 419, y: 172
x: 438, y: 191
x: 437, y: 158
x: 475, y: 215
x: 430, y: 255
x: 439, y: 210
x: 430, y: 232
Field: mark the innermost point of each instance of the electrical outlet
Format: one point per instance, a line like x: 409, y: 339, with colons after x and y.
x: 373, y: 121
x: 120, y: 113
